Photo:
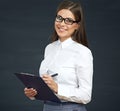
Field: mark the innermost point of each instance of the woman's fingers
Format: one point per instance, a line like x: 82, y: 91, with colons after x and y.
x: 50, y: 82
x: 47, y: 79
x: 30, y: 92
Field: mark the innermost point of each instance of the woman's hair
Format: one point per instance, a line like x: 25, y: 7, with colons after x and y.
x: 79, y: 35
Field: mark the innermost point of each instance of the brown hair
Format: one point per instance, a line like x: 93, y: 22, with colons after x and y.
x: 79, y: 35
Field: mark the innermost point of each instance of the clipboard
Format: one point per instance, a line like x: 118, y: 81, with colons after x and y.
x: 43, y: 91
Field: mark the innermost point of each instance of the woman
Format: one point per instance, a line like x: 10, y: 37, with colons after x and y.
x: 69, y: 56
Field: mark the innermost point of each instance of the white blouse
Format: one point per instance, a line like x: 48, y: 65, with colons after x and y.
x: 74, y: 64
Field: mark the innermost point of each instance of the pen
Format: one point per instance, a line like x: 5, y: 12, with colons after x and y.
x: 53, y: 75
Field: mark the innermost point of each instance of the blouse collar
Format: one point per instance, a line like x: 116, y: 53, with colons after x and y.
x: 65, y: 43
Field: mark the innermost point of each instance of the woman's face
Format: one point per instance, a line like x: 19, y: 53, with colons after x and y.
x: 65, y: 30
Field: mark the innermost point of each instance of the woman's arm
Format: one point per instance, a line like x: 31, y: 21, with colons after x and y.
x: 84, y: 72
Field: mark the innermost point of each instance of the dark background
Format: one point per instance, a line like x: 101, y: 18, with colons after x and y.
x: 25, y: 29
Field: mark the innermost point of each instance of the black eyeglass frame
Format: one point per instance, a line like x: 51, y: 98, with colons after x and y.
x: 68, y: 19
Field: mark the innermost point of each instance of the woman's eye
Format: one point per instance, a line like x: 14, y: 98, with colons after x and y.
x: 59, y: 17
x: 69, y: 20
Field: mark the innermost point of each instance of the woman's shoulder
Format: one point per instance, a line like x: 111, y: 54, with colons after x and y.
x: 50, y: 47
x: 83, y: 52
x: 52, y: 44
x: 81, y: 48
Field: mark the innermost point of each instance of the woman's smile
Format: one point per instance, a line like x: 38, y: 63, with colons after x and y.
x: 61, y: 29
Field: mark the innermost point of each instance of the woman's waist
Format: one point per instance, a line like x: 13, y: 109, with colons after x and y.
x: 61, y: 103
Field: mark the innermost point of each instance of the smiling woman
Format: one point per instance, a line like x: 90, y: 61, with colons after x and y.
x: 69, y: 56
x: 74, y: 13
x: 65, y: 29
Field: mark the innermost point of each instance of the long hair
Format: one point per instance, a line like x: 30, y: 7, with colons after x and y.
x: 79, y: 35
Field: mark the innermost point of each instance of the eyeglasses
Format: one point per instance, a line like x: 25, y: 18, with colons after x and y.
x: 67, y: 21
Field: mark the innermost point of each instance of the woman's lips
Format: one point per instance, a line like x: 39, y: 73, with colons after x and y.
x: 61, y: 29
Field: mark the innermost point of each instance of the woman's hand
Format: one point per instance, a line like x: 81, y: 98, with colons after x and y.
x: 30, y: 92
x: 50, y: 82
